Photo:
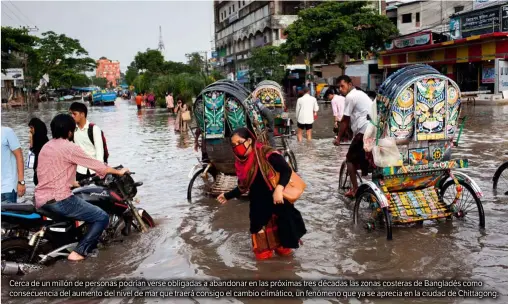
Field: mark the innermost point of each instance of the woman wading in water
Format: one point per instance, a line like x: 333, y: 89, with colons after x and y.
x: 275, y: 224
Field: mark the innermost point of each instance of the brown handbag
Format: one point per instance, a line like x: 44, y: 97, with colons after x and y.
x: 293, y: 189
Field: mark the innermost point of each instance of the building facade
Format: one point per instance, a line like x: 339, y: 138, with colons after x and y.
x: 108, y: 69
x: 241, y: 26
x: 471, y: 46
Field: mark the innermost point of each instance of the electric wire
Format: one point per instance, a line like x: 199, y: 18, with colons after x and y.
x: 15, y: 15
x: 24, y: 16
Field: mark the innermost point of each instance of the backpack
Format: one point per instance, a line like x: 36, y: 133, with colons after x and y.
x: 104, y: 144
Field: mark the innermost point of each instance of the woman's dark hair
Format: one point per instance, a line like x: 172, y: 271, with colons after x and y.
x: 244, y: 133
x: 61, y: 125
x: 371, y: 94
x: 78, y: 107
x: 40, y: 136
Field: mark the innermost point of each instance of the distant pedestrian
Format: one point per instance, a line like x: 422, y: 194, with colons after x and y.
x: 13, y: 175
x: 38, y: 136
x: 306, y: 111
x: 139, y: 101
x: 151, y: 100
x: 170, y: 102
x: 181, y: 107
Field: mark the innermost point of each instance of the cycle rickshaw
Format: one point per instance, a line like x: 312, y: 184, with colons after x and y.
x: 417, y: 108
x: 271, y: 95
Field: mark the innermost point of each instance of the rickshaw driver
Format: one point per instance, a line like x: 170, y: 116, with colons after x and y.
x: 357, y: 108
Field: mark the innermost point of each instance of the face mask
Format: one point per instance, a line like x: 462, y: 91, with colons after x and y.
x: 240, y: 150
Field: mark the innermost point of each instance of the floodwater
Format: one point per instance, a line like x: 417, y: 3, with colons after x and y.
x: 204, y: 240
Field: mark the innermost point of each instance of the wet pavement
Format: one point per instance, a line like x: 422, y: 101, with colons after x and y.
x: 203, y: 240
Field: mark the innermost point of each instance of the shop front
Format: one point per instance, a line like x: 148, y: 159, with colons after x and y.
x: 470, y: 61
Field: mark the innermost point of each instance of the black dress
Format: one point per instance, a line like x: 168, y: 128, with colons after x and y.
x: 289, y: 220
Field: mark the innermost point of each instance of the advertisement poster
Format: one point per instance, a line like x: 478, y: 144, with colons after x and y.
x: 502, y: 75
x: 488, y: 74
x: 13, y: 74
x: 455, y: 28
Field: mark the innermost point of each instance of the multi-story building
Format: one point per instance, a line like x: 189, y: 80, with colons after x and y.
x: 241, y: 26
x: 108, y: 69
x: 466, y: 40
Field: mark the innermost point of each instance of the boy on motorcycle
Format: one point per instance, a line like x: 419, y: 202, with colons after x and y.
x: 56, y: 171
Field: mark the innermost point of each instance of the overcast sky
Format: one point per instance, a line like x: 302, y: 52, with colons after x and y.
x: 119, y: 29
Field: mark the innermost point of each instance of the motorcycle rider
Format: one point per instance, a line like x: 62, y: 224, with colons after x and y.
x: 56, y: 171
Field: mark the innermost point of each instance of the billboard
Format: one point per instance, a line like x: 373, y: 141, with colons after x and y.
x: 13, y: 74
x: 480, y: 22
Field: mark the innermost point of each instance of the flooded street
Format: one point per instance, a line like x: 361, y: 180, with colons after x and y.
x: 204, y: 240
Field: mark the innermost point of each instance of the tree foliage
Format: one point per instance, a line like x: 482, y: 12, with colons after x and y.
x: 148, y: 72
x: 336, y: 28
x: 101, y: 82
x: 266, y: 63
x: 61, y: 57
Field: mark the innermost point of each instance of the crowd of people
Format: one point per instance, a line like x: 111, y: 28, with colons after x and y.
x: 78, y: 151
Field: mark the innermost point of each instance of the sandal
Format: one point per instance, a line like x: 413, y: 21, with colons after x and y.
x: 351, y: 193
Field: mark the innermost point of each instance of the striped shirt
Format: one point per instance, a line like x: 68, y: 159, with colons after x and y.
x: 56, y: 170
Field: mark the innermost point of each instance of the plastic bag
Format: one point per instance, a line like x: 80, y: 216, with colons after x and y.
x: 30, y: 160
x: 369, y: 138
x: 386, y: 153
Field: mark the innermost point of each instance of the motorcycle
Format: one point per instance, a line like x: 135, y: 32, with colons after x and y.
x: 33, y: 237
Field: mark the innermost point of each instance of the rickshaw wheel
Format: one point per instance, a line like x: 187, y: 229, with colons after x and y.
x: 291, y: 160
x: 344, y: 181
x: 466, y: 204
x: 207, y: 182
x: 501, y: 177
x: 377, y: 218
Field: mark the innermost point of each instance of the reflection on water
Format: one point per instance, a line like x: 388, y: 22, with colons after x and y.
x: 205, y: 240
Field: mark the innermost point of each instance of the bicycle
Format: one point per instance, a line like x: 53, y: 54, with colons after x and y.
x: 501, y: 177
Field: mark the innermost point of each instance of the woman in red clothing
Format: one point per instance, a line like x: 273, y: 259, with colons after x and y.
x: 275, y: 224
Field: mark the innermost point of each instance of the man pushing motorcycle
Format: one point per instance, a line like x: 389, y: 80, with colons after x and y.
x: 56, y: 171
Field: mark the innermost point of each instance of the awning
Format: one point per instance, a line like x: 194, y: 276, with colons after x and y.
x: 471, y: 49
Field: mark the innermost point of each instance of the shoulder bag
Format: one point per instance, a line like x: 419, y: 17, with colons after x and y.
x: 293, y: 189
x: 186, y: 116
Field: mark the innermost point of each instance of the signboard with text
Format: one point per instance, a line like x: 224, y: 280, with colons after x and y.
x: 410, y: 41
x: 481, y: 22
x: 504, y: 18
x: 488, y: 74
x: 479, y: 4
x: 13, y: 74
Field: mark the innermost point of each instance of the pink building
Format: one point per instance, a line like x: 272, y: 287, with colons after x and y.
x: 108, y: 69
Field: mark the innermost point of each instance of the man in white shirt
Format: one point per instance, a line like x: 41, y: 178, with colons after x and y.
x: 95, y: 150
x: 358, y: 106
x: 306, y: 108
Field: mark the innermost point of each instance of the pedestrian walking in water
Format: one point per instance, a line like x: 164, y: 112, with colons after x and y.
x: 38, y: 136
x: 180, y: 123
x: 89, y: 140
x: 275, y: 223
x: 13, y: 174
x: 306, y: 111
x: 139, y: 101
x: 358, y: 106
x: 170, y: 102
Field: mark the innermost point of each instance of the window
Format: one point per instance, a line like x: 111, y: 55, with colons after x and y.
x: 417, y: 17
x: 277, y: 34
x: 459, y: 8
x: 239, y: 4
x: 230, y: 10
x: 243, y: 3
x: 406, y: 18
x: 233, y: 8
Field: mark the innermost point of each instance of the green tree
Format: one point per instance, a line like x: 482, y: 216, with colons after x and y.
x: 335, y: 28
x: 151, y: 61
x: 18, y: 45
x: 63, y: 59
x: 266, y: 63
x: 131, y: 74
x: 101, y: 82
x: 196, y: 61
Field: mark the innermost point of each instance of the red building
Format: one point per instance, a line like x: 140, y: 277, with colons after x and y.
x: 108, y: 69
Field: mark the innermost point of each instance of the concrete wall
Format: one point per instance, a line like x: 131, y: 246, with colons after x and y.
x: 330, y: 71
x: 433, y: 15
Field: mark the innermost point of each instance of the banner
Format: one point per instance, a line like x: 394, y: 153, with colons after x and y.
x: 13, y: 74
x: 455, y: 28
x: 412, y: 40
